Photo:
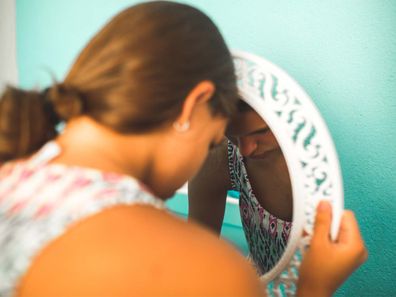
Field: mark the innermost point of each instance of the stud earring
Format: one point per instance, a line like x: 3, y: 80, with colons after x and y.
x: 181, y: 127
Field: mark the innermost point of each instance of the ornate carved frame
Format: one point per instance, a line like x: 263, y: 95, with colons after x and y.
x: 309, y: 152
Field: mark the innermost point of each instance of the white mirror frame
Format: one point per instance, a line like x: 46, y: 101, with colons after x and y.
x: 309, y: 153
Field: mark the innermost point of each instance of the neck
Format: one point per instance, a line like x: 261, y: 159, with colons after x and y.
x: 88, y: 144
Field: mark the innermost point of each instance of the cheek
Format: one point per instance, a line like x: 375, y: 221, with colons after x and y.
x: 274, y: 142
x: 193, y: 163
x: 201, y: 157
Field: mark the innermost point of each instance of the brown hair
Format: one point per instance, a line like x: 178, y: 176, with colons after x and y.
x: 243, y: 106
x: 132, y: 77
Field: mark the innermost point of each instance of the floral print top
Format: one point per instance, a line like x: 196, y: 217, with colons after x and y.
x: 40, y: 201
x: 266, y: 234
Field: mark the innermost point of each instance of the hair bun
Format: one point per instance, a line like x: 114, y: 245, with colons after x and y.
x: 66, y: 100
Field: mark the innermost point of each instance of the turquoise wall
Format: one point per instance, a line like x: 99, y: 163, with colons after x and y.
x: 342, y: 52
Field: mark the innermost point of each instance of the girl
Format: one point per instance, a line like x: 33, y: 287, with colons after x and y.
x: 82, y: 212
x: 252, y: 163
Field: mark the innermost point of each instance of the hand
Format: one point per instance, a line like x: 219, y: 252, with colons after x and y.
x: 327, y: 264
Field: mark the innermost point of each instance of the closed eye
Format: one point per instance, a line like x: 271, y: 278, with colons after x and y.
x: 260, y: 131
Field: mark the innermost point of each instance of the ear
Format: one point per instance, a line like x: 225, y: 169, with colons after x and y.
x: 200, y: 94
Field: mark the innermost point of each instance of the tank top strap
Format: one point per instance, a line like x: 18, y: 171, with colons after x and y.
x: 47, y: 153
x: 234, y: 166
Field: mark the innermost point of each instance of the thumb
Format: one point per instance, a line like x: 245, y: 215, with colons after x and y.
x: 349, y: 229
x: 322, y: 221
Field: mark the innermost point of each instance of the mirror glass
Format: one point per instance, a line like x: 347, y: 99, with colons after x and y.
x: 258, y: 171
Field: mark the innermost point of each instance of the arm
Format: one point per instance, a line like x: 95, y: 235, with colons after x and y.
x: 327, y: 264
x: 207, y: 191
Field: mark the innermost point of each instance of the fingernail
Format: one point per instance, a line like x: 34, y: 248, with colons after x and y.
x: 324, y: 206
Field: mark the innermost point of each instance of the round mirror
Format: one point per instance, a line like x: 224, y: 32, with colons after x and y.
x: 308, y: 153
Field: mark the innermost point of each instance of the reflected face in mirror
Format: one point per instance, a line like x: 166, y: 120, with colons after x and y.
x: 252, y: 135
x: 266, y: 203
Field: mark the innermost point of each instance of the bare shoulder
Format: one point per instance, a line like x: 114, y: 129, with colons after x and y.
x: 142, y: 251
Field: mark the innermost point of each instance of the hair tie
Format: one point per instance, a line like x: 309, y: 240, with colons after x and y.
x: 49, y: 107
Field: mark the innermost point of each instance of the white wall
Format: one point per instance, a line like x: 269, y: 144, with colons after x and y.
x: 8, y: 65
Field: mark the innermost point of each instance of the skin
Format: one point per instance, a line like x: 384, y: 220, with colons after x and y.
x: 265, y: 165
x: 264, y: 162
x: 142, y: 251
x: 327, y: 264
x: 139, y: 250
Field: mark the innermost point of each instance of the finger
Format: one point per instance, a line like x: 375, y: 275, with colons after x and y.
x: 350, y: 237
x: 349, y: 228
x: 322, y: 221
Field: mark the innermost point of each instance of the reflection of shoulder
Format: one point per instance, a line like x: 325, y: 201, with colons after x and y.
x: 217, y: 157
x: 214, y: 171
x: 138, y: 250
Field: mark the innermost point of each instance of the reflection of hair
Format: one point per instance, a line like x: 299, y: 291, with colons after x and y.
x: 133, y: 76
x: 242, y: 106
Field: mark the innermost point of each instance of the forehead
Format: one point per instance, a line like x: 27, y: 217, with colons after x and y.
x: 244, y: 123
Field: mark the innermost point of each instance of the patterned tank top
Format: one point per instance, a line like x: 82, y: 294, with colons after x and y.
x: 40, y: 201
x: 266, y: 234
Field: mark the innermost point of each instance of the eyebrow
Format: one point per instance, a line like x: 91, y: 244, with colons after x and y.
x: 259, y: 131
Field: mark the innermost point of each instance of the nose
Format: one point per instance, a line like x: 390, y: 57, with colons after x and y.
x: 246, y: 146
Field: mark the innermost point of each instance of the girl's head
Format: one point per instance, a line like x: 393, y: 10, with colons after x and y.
x: 251, y: 133
x: 133, y: 77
